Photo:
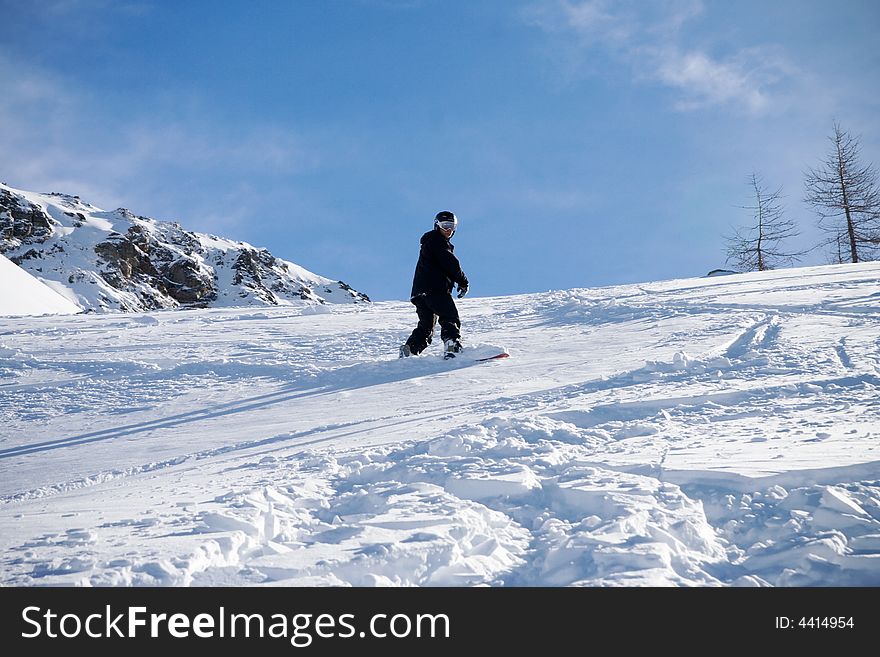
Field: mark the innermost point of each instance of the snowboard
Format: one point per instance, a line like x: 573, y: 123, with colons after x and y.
x: 479, y: 352
x: 503, y: 354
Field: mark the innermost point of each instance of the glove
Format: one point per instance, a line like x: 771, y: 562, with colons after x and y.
x: 462, y: 290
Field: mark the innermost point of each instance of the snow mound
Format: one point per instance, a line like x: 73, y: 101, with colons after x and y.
x: 25, y: 295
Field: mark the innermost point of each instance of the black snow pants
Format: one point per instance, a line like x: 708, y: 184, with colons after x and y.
x: 430, y: 309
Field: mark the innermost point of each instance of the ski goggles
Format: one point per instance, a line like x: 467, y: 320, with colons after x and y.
x: 446, y: 225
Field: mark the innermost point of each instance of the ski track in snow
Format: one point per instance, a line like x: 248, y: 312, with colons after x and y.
x: 709, y: 432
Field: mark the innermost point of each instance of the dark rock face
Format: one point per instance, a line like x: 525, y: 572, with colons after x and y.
x: 21, y: 221
x: 247, y: 266
x: 127, y: 257
x: 188, y: 283
x: 140, y: 260
x: 257, y: 273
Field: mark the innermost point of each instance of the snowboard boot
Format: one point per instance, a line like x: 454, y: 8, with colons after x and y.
x: 451, y: 348
x: 405, y: 351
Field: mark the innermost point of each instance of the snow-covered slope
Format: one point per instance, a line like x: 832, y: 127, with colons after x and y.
x: 714, y: 431
x: 120, y: 261
x: 22, y: 294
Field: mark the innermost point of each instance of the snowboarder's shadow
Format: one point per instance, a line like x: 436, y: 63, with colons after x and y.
x: 344, y: 379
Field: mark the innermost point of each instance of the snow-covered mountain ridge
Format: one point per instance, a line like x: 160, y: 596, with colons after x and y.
x: 119, y: 261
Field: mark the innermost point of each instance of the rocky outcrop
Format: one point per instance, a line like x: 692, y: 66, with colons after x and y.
x: 260, y: 272
x: 126, y: 257
x: 21, y: 221
x: 189, y: 283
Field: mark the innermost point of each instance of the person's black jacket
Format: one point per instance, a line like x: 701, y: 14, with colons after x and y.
x: 438, y: 268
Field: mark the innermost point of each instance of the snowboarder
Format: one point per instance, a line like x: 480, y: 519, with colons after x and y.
x: 436, y: 272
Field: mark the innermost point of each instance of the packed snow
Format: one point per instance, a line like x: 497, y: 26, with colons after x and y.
x: 719, y: 431
x: 22, y: 294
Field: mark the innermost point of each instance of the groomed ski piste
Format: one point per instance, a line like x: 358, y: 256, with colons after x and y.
x: 701, y: 432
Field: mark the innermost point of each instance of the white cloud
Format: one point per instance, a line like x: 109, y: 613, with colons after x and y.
x: 52, y: 140
x: 595, y: 21
x: 747, y: 80
x: 647, y: 39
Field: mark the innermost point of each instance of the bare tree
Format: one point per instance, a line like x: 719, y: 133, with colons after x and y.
x: 838, y: 248
x: 845, y: 195
x: 759, y: 246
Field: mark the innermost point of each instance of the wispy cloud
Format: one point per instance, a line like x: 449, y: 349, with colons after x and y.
x: 648, y: 39
x: 56, y: 138
x: 748, y: 79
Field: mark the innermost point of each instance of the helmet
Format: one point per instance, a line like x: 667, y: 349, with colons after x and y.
x: 446, y: 220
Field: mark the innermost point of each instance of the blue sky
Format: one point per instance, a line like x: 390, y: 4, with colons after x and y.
x: 581, y: 143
